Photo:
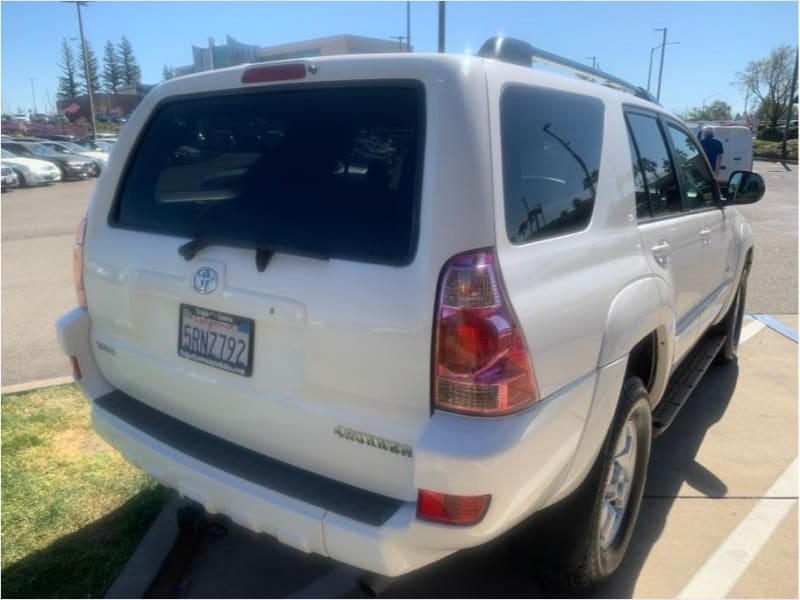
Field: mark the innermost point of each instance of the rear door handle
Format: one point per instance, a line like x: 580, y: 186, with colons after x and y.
x: 705, y: 234
x: 661, y: 252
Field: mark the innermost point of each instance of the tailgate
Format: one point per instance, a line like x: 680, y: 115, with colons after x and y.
x: 258, y: 279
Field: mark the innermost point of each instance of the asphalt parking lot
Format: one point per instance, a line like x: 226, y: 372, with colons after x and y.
x: 720, y: 512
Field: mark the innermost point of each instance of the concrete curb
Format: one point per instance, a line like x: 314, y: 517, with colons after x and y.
x: 33, y: 385
x: 141, y: 569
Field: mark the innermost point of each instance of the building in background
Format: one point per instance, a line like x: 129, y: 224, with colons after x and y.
x: 236, y: 53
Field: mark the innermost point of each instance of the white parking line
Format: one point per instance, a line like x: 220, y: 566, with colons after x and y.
x: 749, y: 330
x: 730, y: 561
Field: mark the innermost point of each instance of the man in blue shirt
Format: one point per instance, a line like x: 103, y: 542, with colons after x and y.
x: 713, y: 149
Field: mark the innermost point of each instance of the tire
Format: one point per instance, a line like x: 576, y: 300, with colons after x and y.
x: 20, y: 178
x: 731, y: 325
x: 599, y: 519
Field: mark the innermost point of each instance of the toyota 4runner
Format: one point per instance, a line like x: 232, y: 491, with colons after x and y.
x: 386, y: 307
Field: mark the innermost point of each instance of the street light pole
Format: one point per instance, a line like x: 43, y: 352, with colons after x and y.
x: 661, y: 68
x: 594, y: 61
x: 408, y: 25
x: 650, y: 69
x: 33, y: 91
x: 78, y: 4
x: 441, y: 25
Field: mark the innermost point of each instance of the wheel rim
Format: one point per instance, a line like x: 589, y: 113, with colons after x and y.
x: 617, y: 490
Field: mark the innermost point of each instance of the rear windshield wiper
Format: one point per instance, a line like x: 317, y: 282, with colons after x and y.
x: 190, y: 249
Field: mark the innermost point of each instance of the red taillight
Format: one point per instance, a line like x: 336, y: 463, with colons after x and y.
x: 453, y: 510
x: 274, y: 73
x: 77, y: 263
x: 481, y: 363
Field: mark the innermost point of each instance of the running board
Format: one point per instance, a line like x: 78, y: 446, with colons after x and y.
x: 684, y: 380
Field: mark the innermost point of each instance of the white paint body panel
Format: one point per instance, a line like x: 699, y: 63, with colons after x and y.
x: 346, y: 343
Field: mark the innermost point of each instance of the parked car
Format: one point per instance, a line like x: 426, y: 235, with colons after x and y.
x: 438, y: 296
x: 111, y: 137
x: 70, y: 166
x: 30, y: 171
x: 100, y: 159
x: 8, y: 179
x: 99, y: 145
x: 63, y: 138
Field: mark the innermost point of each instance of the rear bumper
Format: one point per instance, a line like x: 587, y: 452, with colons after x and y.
x: 523, y: 461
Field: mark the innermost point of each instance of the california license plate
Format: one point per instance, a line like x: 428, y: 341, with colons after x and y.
x: 216, y: 339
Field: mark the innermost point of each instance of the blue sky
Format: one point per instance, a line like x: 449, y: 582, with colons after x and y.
x: 717, y: 39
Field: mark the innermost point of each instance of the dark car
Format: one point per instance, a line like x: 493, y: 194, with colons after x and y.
x: 62, y: 138
x: 71, y: 167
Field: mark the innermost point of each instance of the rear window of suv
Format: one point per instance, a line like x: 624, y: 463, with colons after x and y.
x: 551, y: 159
x: 329, y: 172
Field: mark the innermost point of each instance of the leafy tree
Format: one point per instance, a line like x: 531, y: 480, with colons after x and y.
x: 112, y: 70
x: 93, y: 71
x: 167, y: 73
x: 131, y: 73
x: 769, y: 80
x: 67, y: 83
x: 716, y: 111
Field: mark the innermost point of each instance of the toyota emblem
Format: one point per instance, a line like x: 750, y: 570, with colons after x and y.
x: 205, y: 280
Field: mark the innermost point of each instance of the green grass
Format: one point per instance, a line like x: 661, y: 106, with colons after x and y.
x: 73, y: 510
x: 764, y: 149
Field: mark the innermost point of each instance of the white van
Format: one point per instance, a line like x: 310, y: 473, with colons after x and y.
x: 737, y: 145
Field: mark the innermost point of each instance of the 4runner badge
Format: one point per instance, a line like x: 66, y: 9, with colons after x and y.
x: 373, y: 440
x: 205, y: 280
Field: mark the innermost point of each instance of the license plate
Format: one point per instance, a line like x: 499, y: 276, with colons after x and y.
x: 216, y: 339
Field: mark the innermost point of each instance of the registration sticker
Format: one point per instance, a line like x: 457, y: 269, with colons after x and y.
x: 216, y: 339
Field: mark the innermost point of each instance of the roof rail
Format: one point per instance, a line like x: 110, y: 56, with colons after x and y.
x: 519, y: 52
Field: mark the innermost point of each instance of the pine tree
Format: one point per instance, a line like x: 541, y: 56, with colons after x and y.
x: 93, y: 70
x: 167, y: 73
x: 112, y: 70
x: 131, y: 73
x: 67, y: 83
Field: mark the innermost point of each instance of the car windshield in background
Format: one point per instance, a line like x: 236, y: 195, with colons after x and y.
x: 326, y: 172
x: 7, y: 154
x: 74, y: 147
x: 40, y: 150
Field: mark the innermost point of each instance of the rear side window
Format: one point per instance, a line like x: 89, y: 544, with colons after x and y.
x: 326, y: 172
x: 552, y: 143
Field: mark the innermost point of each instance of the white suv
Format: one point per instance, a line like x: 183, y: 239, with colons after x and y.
x: 386, y: 307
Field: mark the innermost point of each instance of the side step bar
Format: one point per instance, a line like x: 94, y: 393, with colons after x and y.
x: 684, y: 380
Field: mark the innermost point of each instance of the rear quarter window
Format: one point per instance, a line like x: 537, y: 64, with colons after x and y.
x: 552, y: 143
x: 319, y: 171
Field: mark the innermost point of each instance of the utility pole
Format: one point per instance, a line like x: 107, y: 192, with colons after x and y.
x: 661, y: 68
x: 594, y: 61
x: 408, y: 25
x: 33, y: 91
x: 792, y: 95
x: 441, y: 25
x: 89, y: 90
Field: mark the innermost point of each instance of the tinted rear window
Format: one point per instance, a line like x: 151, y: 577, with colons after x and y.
x: 552, y: 143
x: 329, y: 172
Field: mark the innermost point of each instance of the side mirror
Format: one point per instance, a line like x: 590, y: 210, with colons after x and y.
x: 745, y: 187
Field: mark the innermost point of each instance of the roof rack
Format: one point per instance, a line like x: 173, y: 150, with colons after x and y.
x: 519, y: 52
